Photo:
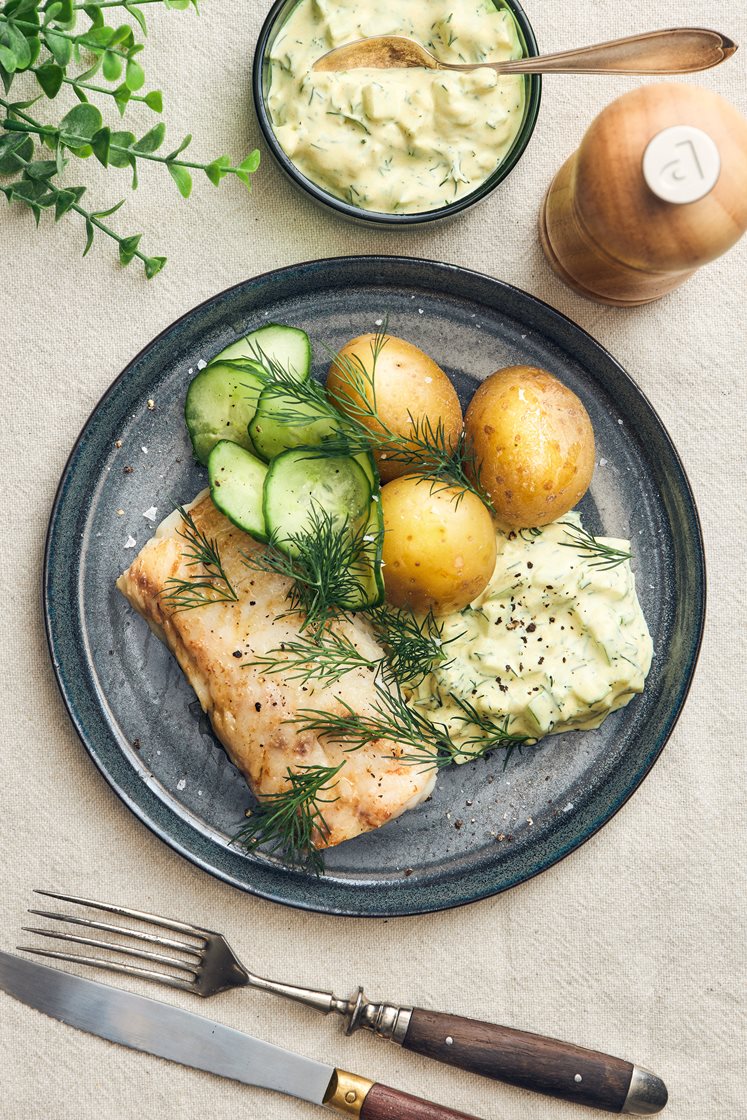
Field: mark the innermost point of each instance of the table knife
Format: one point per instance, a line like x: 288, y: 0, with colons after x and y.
x: 192, y: 1040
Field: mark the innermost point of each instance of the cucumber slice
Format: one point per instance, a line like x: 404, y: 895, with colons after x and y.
x: 289, y: 347
x: 295, y: 484
x: 370, y: 574
x: 237, y: 481
x: 271, y: 435
x: 221, y: 400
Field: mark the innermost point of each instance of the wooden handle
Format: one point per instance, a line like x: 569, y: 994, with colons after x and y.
x: 383, y: 1103
x: 531, y: 1061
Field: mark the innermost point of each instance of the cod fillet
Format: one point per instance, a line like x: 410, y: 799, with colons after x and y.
x: 250, y: 710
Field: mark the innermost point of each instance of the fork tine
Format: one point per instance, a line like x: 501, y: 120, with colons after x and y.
x: 95, y: 943
x: 112, y: 966
x: 164, y: 942
x: 140, y: 915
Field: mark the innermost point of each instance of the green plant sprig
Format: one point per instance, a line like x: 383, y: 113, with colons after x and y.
x: 414, y: 645
x: 36, y: 191
x: 413, y: 737
x: 323, y: 568
x: 325, y: 657
x: 81, y: 132
x: 50, y: 77
x: 292, y: 822
x: 41, y: 39
x: 209, y: 583
x: 593, y: 550
x: 426, y: 450
x: 495, y: 733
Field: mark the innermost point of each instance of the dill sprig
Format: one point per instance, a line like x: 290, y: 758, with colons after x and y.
x: 210, y: 584
x: 324, y: 657
x: 596, y: 553
x: 292, y: 821
x: 323, y: 568
x: 414, y: 646
x: 495, y: 733
x: 426, y: 449
x: 390, y: 718
x: 356, y: 425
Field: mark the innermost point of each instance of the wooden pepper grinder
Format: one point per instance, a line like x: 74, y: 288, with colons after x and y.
x: 657, y: 188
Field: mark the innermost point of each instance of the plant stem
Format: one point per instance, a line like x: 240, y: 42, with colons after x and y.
x: 87, y: 214
x: 48, y: 130
x: 90, y: 85
x: 114, y: 4
x: 104, y: 228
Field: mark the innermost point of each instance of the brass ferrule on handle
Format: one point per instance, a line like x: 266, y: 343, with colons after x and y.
x: 346, y: 1093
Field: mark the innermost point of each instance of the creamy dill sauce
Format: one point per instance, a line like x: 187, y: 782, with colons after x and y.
x: 553, y: 642
x: 396, y: 141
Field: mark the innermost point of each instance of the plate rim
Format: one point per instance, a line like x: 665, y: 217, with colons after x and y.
x: 301, y: 901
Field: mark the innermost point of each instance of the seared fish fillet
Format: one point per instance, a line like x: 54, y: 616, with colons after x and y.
x: 249, y: 710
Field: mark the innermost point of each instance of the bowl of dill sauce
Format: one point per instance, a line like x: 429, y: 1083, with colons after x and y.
x: 395, y: 147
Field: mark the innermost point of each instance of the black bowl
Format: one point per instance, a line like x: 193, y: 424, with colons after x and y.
x: 277, y: 16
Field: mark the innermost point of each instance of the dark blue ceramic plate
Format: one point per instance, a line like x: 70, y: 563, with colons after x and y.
x: 141, y: 722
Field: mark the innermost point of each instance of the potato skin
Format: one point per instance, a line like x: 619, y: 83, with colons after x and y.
x: 407, y: 382
x: 534, y: 444
x: 438, y: 555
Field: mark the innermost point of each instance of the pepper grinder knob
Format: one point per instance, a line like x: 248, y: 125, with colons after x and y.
x: 655, y: 190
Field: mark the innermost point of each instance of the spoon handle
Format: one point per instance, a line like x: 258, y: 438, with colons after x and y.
x: 681, y: 50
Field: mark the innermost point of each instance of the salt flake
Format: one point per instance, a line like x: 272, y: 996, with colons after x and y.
x: 130, y: 542
x: 181, y: 784
x: 150, y: 514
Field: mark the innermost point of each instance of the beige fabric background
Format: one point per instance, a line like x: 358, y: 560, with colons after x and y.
x: 636, y: 943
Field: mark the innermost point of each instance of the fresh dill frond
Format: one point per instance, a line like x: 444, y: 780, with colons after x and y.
x: 426, y: 449
x: 413, y: 737
x: 596, y: 553
x: 209, y: 584
x: 324, y: 567
x: 495, y: 733
x: 324, y: 657
x: 414, y: 646
x: 292, y: 821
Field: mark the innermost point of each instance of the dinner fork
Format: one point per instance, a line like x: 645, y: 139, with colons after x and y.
x: 206, y: 965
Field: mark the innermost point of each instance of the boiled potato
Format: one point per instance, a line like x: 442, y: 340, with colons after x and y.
x: 534, y: 444
x: 407, y: 383
x: 438, y: 554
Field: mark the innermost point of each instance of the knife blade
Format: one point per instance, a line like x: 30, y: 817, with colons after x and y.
x: 192, y: 1040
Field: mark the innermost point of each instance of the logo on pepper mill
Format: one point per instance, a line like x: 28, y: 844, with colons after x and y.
x: 681, y: 164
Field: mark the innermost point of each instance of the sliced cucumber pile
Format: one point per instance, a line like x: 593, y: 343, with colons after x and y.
x: 222, y: 399
x: 235, y: 422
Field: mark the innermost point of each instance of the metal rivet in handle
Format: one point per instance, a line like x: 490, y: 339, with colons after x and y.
x: 578, y: 1077
x: 449, y: 1040
x: 350, y: 1096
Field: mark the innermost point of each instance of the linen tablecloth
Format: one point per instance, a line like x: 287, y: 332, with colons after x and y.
x: 636, y: 943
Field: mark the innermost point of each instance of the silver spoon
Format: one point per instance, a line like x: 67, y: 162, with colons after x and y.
x: 680, y: 50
